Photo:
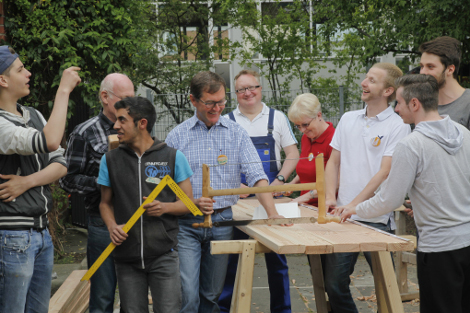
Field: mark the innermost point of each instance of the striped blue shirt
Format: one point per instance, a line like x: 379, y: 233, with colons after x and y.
x: 201, y: 145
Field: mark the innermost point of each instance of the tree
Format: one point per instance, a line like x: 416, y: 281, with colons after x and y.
x: 99, y: 36
x: 282, y: 34
x: 369, y: 29
x: 180, y: 45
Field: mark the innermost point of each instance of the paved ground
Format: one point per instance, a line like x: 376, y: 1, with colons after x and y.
x: 302, y: 297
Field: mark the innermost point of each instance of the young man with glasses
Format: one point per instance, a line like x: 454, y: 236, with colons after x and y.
x: 208, y: 138
x: 270, y: 132
x: 363, y: 145
x: 85, y: 147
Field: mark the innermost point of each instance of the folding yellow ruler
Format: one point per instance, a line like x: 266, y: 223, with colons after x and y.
x: 167, y: 180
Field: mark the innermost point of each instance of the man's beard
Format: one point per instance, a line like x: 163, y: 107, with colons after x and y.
x: 441, y: 80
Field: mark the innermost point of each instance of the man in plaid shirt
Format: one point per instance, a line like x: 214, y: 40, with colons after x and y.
x: 85, y: 147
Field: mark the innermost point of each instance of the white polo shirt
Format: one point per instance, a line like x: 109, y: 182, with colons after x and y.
x: 282, y: 133
x: 363, y: 142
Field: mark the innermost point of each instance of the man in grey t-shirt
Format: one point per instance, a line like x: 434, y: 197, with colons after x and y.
x: 441, y: 58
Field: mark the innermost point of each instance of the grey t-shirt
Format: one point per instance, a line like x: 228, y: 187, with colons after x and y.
x: 458, y: 110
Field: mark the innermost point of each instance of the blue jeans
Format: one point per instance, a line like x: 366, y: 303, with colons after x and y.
x: 278, y: 280
x: 103, y: 282
x: 26, y: 264
x: 336, y: 268
x: 202, y: 274
x: 161, y: 274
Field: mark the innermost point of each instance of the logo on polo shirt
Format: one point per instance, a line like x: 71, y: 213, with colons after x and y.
x: 376, y: 141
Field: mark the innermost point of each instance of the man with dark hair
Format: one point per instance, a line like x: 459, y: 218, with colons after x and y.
x: 431, y: 166
x: 208, y: 138
x: 85, y: 147
x: 441, y: 58
x: 146, y: 257
x: 30, y: 159
x: 363, y: 145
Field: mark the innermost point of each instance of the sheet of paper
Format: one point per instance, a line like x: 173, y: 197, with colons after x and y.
x: 288, y: 210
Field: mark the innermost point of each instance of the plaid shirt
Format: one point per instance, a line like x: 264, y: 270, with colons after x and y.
x: 85, y: 147
x: 201, y: 145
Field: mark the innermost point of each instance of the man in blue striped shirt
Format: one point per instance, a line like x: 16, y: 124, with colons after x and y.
x: 208, y: 138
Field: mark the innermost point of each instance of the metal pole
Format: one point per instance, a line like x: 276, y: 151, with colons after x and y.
x: 341, y: 101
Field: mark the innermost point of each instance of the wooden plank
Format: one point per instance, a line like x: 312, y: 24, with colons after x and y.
x: 316, y: 271
x: 241, y: 299
x: 386, y: 283
x: 235, y: 247
x: 314, y: 238
x: 71, y: 294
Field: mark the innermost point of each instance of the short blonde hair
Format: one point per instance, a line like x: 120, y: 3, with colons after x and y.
x: 393, y: 72
x: 248, y: 72
x: 306, y: 104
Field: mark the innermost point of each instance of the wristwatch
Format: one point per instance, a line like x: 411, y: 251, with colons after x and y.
x: 281, y: 178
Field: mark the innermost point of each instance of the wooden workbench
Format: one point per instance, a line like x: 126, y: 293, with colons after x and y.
x: 313, y: 240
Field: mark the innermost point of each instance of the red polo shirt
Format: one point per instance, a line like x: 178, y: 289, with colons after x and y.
x: 305, y: 168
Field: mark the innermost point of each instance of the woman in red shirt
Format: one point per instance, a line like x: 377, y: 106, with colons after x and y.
x: 305, y: 113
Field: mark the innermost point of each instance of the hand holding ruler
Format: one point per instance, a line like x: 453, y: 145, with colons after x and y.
x: 167, y: 180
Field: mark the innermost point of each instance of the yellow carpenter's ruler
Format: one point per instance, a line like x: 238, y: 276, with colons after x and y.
x: 167, y: 180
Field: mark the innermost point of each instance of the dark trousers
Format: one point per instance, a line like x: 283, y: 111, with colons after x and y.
x: 444, y: 281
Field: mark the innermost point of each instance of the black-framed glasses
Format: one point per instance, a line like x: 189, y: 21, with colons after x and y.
x: 243, y: 90
x: 212, y: 104
x: 304, y: 125
x: 120, y: 98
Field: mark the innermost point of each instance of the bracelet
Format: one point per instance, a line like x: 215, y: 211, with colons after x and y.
x: 311, y: 193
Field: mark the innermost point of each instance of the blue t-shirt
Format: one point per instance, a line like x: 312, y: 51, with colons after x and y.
x: 182, y: 170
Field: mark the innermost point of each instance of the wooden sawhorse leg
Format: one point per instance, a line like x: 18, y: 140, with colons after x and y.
x: 241, y: 299
x: 318, y: 284
x: 386, y: 287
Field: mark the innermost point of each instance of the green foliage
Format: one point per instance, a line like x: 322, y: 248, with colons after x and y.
x: 368, y: 29
x: 178, y: 46
x: 99, y: 36
x: 282, y: 34
x: 57, y: 217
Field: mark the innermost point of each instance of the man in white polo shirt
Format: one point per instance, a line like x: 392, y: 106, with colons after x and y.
x: 363, y: 145
x: 270, y: 132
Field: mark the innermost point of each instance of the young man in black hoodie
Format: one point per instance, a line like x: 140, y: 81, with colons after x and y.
x: 147, y: 255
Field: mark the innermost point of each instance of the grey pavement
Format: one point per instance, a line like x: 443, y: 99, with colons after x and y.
x: 301, y: 289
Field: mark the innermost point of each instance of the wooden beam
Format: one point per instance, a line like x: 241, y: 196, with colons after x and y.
x: 72, y: 296
x: 241, y: 299
x: 316, y: 271
x: 250, y: 190
x: 385, y: 283
x: 235, y: 247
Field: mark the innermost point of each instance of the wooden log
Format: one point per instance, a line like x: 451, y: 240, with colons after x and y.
x: 72, y: 296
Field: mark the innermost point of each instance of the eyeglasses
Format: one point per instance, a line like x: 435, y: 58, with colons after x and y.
x: 243, y: 90
x: 210, y: 105
x: 120, y: 98
x: 305, y: 125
